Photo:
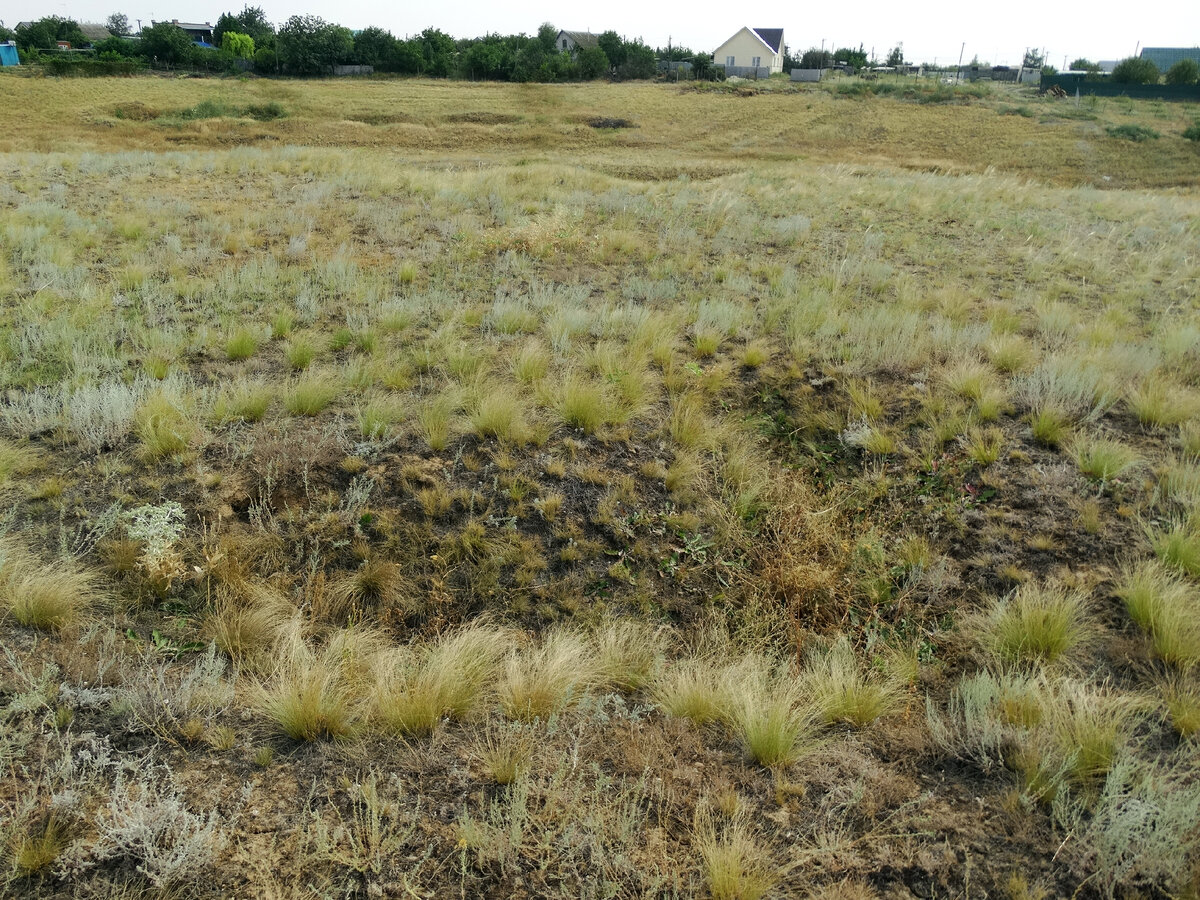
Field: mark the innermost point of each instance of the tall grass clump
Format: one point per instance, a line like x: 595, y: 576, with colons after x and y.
x: 770, y: 713
x: 628, y: 654
x: 1103, y: 459
x: 735, y: 867
x: 318, y: 693
x: 1036, y: 624
x: 541, y: 682
x: 844, y: 690
x: 1166, y: 608
x: 1179, y: 547
x: 312, y: 394
x: 163, y: 427
x: 45, y: 597
x: 421, y: 686
x: 693, y: 688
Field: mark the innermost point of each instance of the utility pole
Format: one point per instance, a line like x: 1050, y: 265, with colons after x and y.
x: 958, y: 74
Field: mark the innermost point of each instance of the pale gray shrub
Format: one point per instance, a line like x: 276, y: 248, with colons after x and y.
x: 1070, y: 384
x: 148, y: 824
x: 161, y: 697
x: 1140, y: 833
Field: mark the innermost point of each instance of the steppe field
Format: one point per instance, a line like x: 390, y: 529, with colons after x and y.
x: 441, y: 490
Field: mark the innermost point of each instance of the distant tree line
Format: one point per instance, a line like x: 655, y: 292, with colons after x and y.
x: 310, y: 46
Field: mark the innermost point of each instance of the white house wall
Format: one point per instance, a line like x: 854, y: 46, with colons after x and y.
x: 743, y: 47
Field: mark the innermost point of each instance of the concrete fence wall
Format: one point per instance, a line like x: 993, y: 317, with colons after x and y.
x: 747, y: 72
x: 807, y: 74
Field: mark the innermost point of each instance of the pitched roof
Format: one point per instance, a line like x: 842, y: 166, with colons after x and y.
x: 1165, y: 57
x: 772, y: 37
x: 94, y: 32
x: 583, y: 38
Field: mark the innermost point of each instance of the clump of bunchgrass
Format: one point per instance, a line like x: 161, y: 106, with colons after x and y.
x: 300, y: 350
x: 1051, y: 427
x: 1159, y: 405
x: 245, y: 401
x: 501, y: 414
x: 1179, y: 546
x: 734, y: 866
x: 311, y: 394
x: 242, y: 344
x: 45, y: 597
x: 1103, y: 459
x: 769, y: 712
x: 1166, y: 608
x: 693, y: 689
x: 319, y: 693
x: 1089, y: 725
x: 377, y: 584
x: 628, y: 654
x: 540, y: 682
x: 1036, y: 624
x: 163, y: 427
x: 444, y: 680
x: 506, y: 752
x: 247, y: 623
x: 844, y: 690
x: 435, y: 420
x: 984, y: 445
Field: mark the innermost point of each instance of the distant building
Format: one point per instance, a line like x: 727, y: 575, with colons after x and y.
x: 94, y: 33
x: 752, y: 50
x: 570, y: 41
x: 1165, y: 57
x: 200, y: 33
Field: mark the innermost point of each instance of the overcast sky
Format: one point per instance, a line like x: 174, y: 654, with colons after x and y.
x: 997, y: 32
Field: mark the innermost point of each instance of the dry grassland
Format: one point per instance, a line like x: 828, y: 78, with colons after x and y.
x: 411, y: 490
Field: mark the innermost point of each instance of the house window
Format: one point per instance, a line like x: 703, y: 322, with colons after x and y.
x: 729, y: 61
x: 564, y: 44
x: 756, y: 61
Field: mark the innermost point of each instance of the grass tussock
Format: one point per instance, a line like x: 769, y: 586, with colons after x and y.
x: 539, y: 683
x: 320, y: 693
x: 1038, y: 623
x: 734, y: 864
x: 422, y: 686
x: 47, y: 597
x: 1166, y: 608
x: 771, y: 712
x: 844, y: 690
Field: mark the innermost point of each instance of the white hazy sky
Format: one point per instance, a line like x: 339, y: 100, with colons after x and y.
x: 998, y: 32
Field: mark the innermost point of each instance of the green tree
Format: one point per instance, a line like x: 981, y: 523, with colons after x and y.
x: 639, y: 62
x: 855, y: 59
x: 240, y: 45
x: 118, y: 24
x: 166, y: 45
x: 1135, y: 70
x: 375, y: 47
x: 438, y: 51
x: 45, y: 33
x: 308, y: 45
x: 252, y: 21
x: 614, y: 48
x: 816, y: 58
x: 547, y: 34
x: 593, y: 63
x: 702, y: 66
x: 1083, y: 64
x: 1186, y: 71
x: 895, y: 56
x: 1033, y: 59
x: 116, y: 48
